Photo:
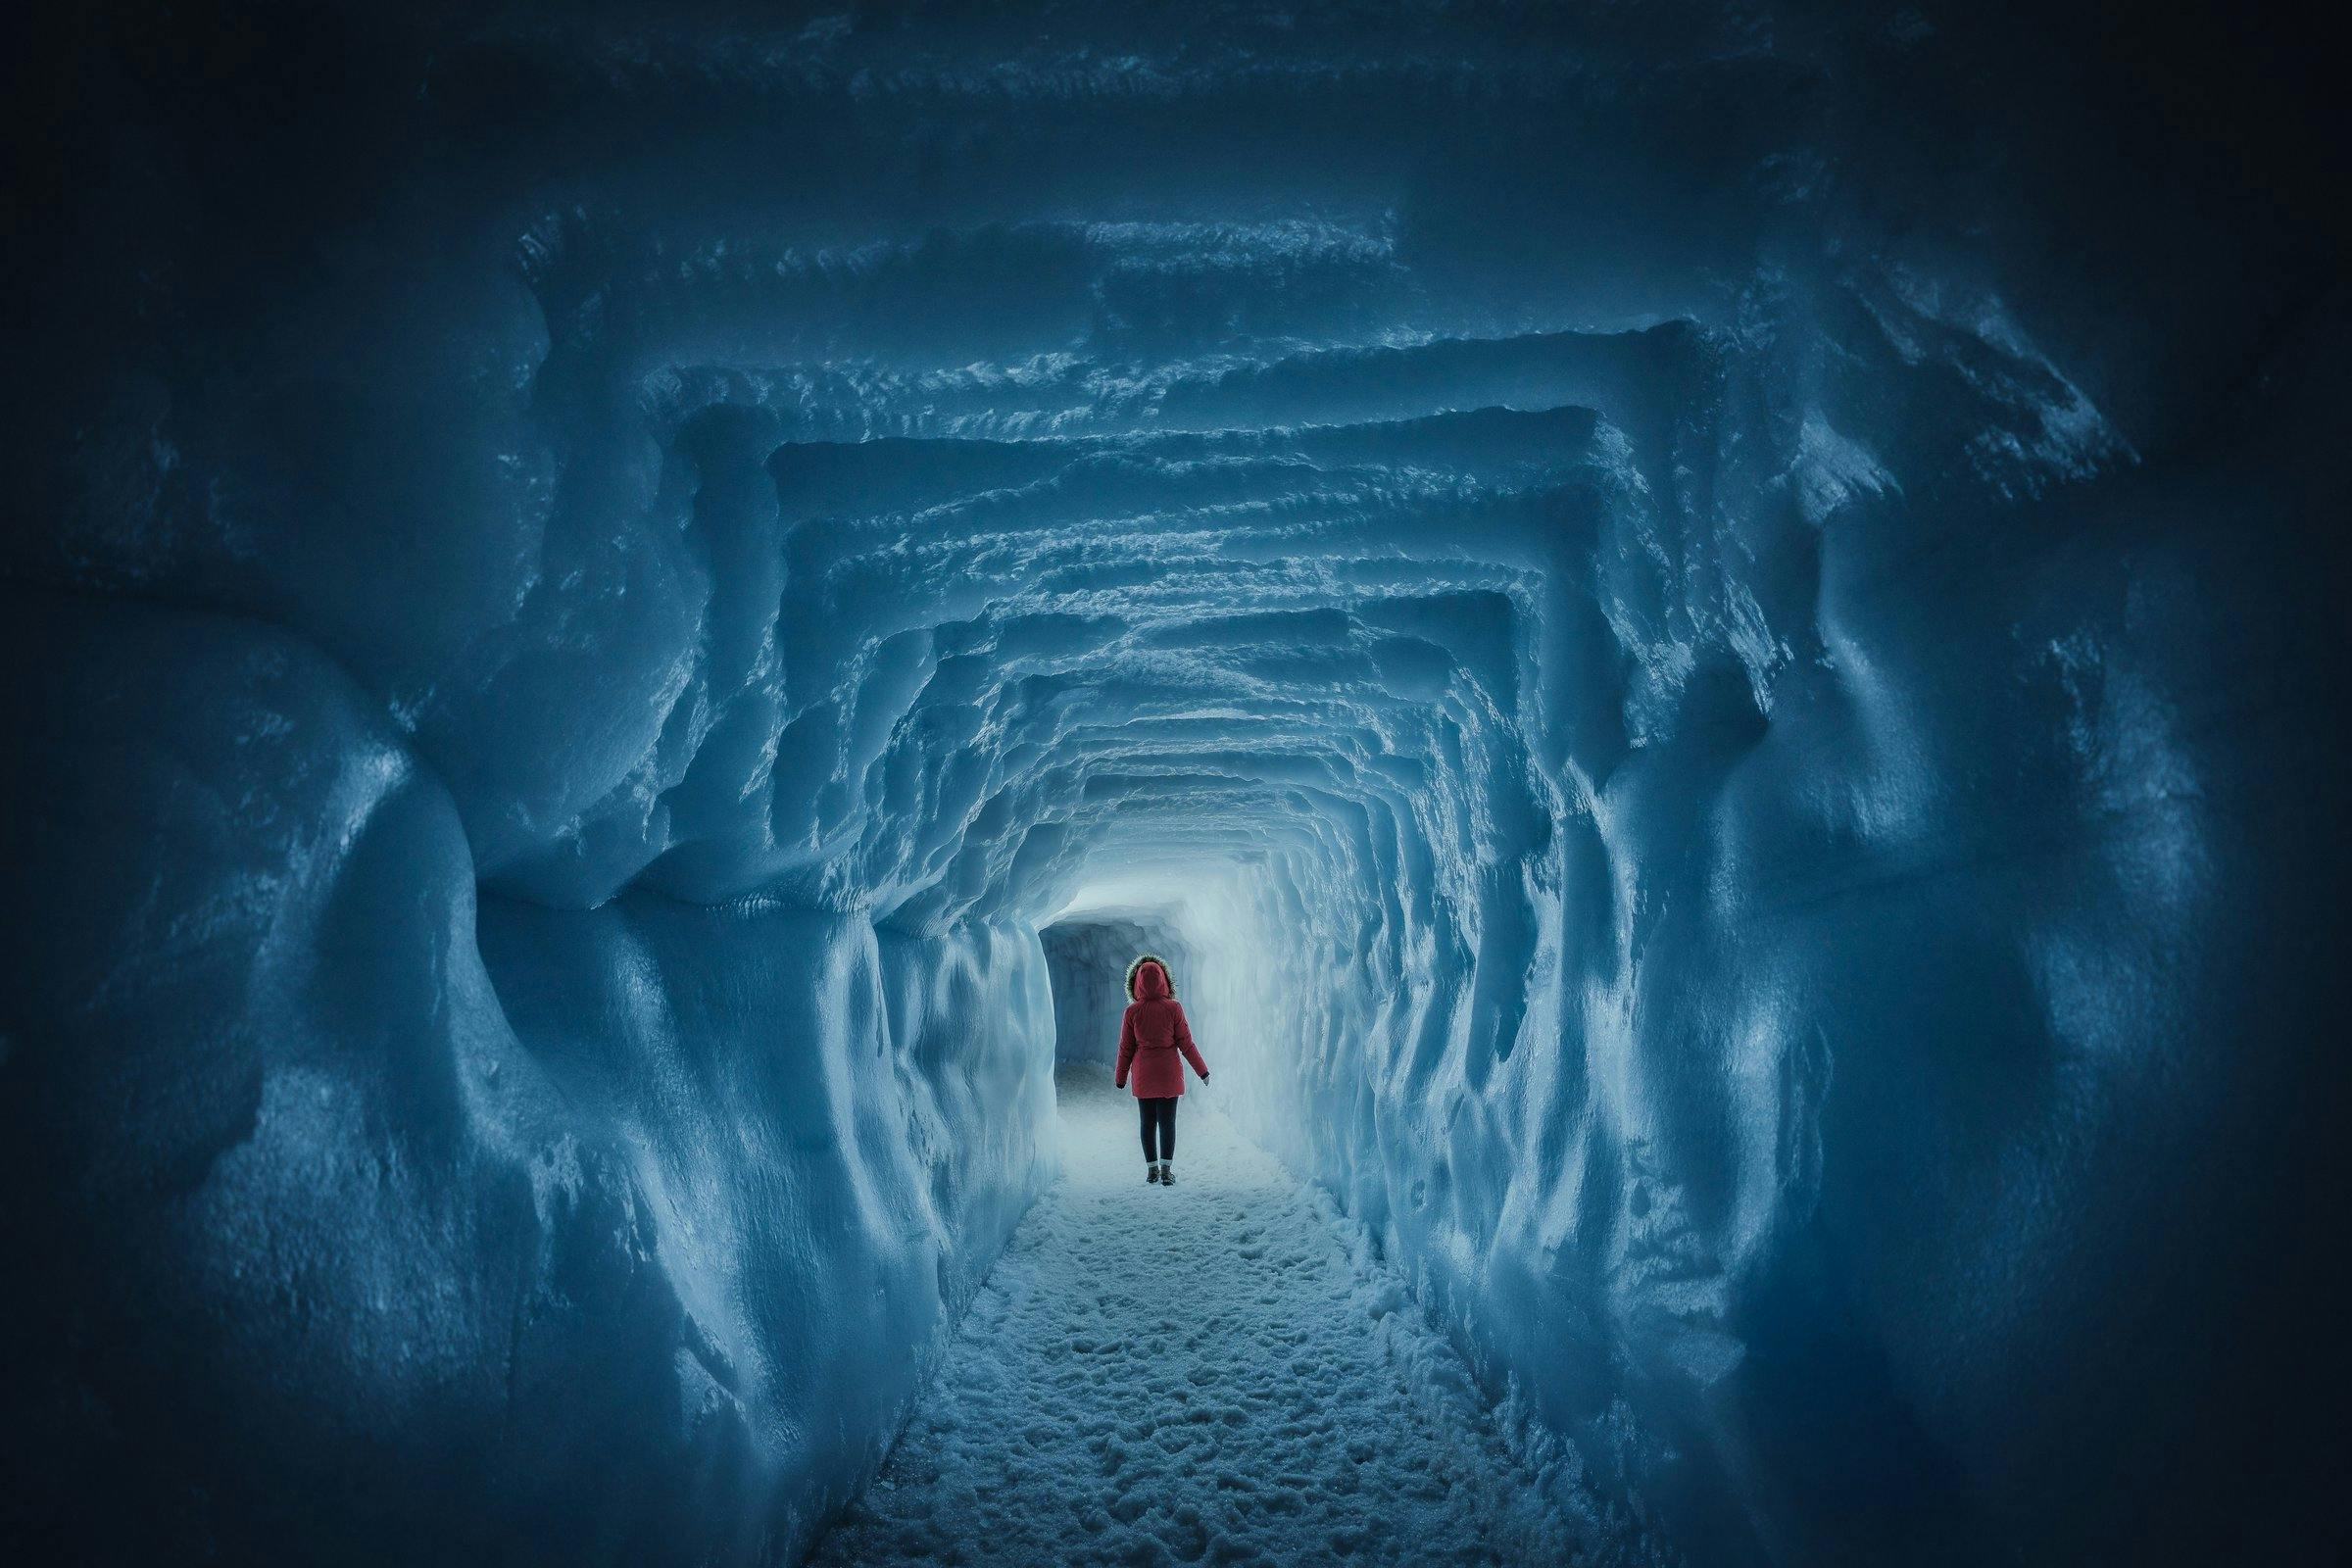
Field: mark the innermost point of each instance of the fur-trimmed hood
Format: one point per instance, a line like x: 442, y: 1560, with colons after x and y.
x: 1149, y: 957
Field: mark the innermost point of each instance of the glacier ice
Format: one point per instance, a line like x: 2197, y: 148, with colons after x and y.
x: 1710, y: 634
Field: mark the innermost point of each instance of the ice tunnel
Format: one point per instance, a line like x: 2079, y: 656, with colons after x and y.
x: 1712, y: 634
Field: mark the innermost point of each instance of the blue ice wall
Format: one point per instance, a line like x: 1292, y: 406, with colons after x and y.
x: 1717, y: 630
x: 528, y: 1208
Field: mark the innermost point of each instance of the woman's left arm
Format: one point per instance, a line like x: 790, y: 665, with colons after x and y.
x: 1184, y: 1043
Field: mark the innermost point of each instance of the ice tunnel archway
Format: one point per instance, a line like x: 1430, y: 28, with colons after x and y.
x: 1714, y: 632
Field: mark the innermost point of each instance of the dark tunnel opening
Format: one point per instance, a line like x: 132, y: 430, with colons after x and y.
x: 1086, y: 957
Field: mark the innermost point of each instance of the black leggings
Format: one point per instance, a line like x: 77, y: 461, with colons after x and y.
x: 1161, y: 1115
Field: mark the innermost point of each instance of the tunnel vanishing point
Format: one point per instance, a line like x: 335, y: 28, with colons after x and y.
x: 1714, y: 634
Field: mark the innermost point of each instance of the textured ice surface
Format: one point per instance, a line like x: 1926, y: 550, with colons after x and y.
x: 1712, y: 633
x: 524, y: 1203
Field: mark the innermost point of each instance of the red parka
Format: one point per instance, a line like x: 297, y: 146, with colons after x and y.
x: 1151, y: 1034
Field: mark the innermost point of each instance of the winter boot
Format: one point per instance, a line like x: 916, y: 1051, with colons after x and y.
x: 1152, y: 1173
x: 1168, y: 1174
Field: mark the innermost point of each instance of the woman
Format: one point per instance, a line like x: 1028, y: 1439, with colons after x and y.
x: 1149, y: 1036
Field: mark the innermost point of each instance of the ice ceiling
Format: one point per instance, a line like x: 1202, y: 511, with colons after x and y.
x: 1718, y: 627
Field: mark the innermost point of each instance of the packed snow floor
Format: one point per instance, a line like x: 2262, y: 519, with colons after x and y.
x: 1216, y: 1372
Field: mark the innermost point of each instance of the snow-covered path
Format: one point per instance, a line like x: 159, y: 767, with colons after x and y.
x: 1209, y: 1373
